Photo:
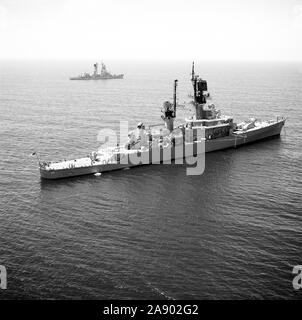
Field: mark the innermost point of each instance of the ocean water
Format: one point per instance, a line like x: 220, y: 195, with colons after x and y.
x: 149, y: 232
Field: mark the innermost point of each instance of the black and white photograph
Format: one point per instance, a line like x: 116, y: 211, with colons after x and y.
x: 150, y: 151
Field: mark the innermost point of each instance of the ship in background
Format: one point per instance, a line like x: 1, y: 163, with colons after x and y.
x: 206, y: 127
x: 104, y: 75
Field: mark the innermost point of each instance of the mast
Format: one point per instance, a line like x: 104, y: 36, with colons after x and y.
x: 103, y: 71
x: 95, y: 69
x: 200, y: 88
x: 193, y: 72
x: 194, y: 81
x: 174, y: 97
x: 169, y: 110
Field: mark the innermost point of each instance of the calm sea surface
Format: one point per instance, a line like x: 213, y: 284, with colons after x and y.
x: 148, y: 232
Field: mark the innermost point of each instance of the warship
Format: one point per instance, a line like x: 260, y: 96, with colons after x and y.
x: 206, y: 130
x: 104, y: 75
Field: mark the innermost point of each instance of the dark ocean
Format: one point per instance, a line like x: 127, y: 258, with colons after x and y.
x: 149, y: 232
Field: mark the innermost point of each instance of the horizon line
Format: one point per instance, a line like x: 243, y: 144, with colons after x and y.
x: 149, y: 59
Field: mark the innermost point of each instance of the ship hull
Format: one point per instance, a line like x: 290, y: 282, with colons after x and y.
x: 250, y: 136
x: 232, y: 141
x: 119, y: 76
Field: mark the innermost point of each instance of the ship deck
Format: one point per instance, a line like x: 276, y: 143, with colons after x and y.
x: 70, y: 164
x: 103, y: 158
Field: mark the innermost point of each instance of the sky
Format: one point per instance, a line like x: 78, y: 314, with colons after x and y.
x: 260, y: 30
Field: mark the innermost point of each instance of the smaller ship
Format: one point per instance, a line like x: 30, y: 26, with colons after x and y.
x: 104, y: 75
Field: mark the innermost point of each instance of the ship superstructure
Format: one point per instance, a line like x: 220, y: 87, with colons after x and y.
x: 206, y: 127
x: 104, y: 75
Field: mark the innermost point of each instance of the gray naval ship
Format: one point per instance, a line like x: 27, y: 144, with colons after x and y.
x: 104, y: 75
x: 207, y: 127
